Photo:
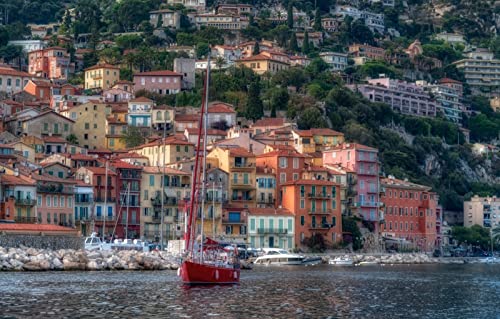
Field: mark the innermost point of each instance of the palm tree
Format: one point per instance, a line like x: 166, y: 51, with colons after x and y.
x: 219, y: 62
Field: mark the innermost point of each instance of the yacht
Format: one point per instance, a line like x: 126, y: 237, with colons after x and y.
x: 341, y: 261
x: 277, y: 256
x: 93, y: 242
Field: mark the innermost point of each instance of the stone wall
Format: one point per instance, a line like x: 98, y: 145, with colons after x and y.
x: 52, y: 242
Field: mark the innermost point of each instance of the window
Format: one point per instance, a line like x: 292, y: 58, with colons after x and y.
x: 186, y: 149
x: 252, y: 224
x: 334, y: 221
x: 282, y: 177
x: 48, y: 200
x: 302, y: 220
x: 362, y: 184
x: 295, y: 162
x: 70, y: 202
x: 56, y: 201
x: 177, y: 148
x: 66, y: 127
x: 302, y: 203
x: 87, y: 126
x: 63, y: 202
x: 282, y: 161
x: 48, y: 218
x: 295, y: 176
x: 39, y: 200
x: 302, y: 191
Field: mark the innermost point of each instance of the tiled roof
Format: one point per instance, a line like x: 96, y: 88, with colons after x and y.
x: 124, y: 165
x: 50, y: 178
x: 398, y: 183
x: 13, y: 72
x: 210, y: 131
x: 282, y: 152
x: 269, y: 121
x: 220, y: 107
x: 17, y: 180
x: 160, y: 170
x: 100, y: 170
x: 54, y: 139
x: 141, y: 99
x: 34, y: 228
x: 269, y: 211
x: 240, y: 151
x: 187, y: 117
x: 260, y: 57
x: 448, y: 80
x: 352, y: 146
x: 158, y: 73
x: 82, y: 157
x: 102, y: 66
x: 318, y: 131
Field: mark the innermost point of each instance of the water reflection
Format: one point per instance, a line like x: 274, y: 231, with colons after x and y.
x: 469, y: 291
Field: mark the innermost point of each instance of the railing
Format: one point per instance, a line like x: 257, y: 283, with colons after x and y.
x: 242, y: 165
x: 26, y: 220
x: 265, y: 201
x: 130, y: 204
x: 319, y: 226
x: 226, y: 220
x: 167, y: 201
x: 240, y: 199
x: 210, y: 199
x: 240, y: 183
x: 101, y: 199
x: 319, y: 195
x: 271, y: 231
x: 321, y: 212
x: 107, y: 218
x: 25, y: 202
x: 96, y: 76
x: 130, y: 176
x: 368, y: 204
x: 84, y: 201
x: 55, y: 188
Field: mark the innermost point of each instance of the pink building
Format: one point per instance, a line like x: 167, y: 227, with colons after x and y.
x: 51, y: 63
x: 364, y: 161
x: 161, y: 82
x: 403, y: 97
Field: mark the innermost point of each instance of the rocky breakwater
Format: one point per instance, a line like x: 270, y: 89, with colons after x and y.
x: 31, y: 259
x: 392, y: 259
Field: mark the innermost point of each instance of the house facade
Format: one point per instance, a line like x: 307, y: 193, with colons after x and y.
x: 161, y: 82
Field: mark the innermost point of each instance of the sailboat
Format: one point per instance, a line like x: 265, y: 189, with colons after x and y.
x: 206, y: 261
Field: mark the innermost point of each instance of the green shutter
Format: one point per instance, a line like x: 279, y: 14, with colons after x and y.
x: 252, y: 225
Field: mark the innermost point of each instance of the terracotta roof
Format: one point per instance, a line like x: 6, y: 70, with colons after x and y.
x: 162, y: 107
x: 220, y: 107
x: 45, y: 113
x: 261, y: 170
x: 141, y: 99
x: 187, y: 117
x: 239, y: 151
x: 269, y: 121
x: 398, y: 183
x: 124, y: 165
x: 82, y: 157
x: 282, y: 152
x: 34, y: 228
x: 123, y: 82
x: 269, y: 211
x: 448, y: 80
x: 352, y: 146
x: 100, y: 171
x: 50, y: 178
x: 6, y: 146
x: 102, y: 66
x: 210, y: 131
x: 53, y: 139
x: 170, y: 140
x: 325, y: 131
x: 310, y: 182
x: 260, y: 57
x: 13, y: 72
x: 47, y: 164
x: 130, y: 155
x: 158, y: 73
x: 160, y: 170
x: 42, y: 83
x: 17, y: 180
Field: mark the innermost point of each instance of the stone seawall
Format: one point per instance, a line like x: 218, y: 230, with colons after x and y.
x: 32, y: 259
x: 411, y: 258
x: 52, y: 242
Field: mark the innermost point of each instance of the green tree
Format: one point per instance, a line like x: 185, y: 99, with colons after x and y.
x: 305, y: 44
x: 289, y: 15
x: 72, y: 139
x: 354, y: 236
x: 202, y: 49
x: 256, y: 48
x: 476, y: 236
x: 293, y: 46
x: 317, y: 21
x: 311, y: 118
x: 279, y: 99
x: 133, y: 137
x: 128, y: 41
x: 255, y: 107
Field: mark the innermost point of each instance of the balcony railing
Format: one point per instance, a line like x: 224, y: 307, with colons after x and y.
x: 271, y: 231
x: 242, y: 184
x: 321, y: 212
x: 101, y: 199
x: 319, y: 195
x: 242, y: 165
x: 107, y: 218
x: 265, y: 201
x: 26, y: 220
x: 319, y: 226
x: 55, y: 188
x: 130, y: 176
x: 167, y: 201
x: 368, y: 204
x: 25, y: 202
x: 241, y: 199
x: 227, y: 220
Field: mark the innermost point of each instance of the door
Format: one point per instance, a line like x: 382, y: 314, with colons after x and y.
x: 271, y: 242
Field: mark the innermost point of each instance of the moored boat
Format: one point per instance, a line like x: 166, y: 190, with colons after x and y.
x: 278, y: 257
x: 341, y: 261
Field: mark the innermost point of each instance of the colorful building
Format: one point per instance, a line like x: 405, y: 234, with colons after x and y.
x: 316, y: 206
x: 262, y: 63
x: 165, y: 151
x: 162, y: 82
x: 270, y: 227
x: 139, y: 112
x: 411, y: 214
x: 364, y: 161
x: 101, y: 76
x: 18, y: 198
x: 51, y: 63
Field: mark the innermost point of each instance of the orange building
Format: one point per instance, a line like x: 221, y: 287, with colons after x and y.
x: 51, y: 63
x: 286, y: 164
x: 317, y: 209
x: 411, y: 214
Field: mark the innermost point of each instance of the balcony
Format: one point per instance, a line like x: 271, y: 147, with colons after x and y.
x: 319, y: 226
x: 210, y: 199
x: 130, y: 176
x: 96, y: 76
x: 319, y: 195
x: 368, y: 204
x: 130, y: 203
x: 107, y: 218
x: 269, y: 201
x: 242, y: 166
x: 26, y: 220
x: 55, y: 189
x: 272, y: 231
x: 233, y: 221
x: 241, y: 184
x: 102, y: 199
x: 25, y: 202
x: 321, y: 212
x: 241, y: 199
x: 167, y: 201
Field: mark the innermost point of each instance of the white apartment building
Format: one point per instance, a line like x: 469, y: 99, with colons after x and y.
x: 482, y: 72
x: 482, y: 211
x: 337, y: 61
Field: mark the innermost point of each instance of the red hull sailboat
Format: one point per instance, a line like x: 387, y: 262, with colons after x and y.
x: 206, y: 260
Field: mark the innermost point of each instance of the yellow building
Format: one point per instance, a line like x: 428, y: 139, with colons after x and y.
x: 160, y: 152
x: 316, y: 139
x: 262, y: 63
x: 90, y: 123
x: 27, y: 151
x: 101, y: 76
x: 176, y: 190
x: 240, y: 165
x: 116, y: 127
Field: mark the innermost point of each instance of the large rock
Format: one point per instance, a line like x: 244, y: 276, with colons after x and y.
x: 57, y: 264
x: 33, y: 266
x: 72, y: 265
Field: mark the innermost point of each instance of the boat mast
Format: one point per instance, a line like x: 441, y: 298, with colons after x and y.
x: 204, y: 167
x: 105, y: 213
x: 192, y: 211
x: 127, y: 201
x: 162, y: 180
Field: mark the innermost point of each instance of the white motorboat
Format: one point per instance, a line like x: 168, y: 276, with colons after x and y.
x: 367, y: 263
x: 95, y: 243
x: 341, y: 261
x: 276, y: 256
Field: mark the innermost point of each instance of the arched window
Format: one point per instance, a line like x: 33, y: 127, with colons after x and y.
x: 158, y: 115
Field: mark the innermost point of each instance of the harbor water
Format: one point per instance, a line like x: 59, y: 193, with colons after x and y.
x: 403, y: 291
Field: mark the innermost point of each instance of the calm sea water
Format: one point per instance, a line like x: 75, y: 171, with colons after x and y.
x: 423, y: 291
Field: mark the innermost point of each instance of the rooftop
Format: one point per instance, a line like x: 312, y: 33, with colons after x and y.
x: 269, y: 211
